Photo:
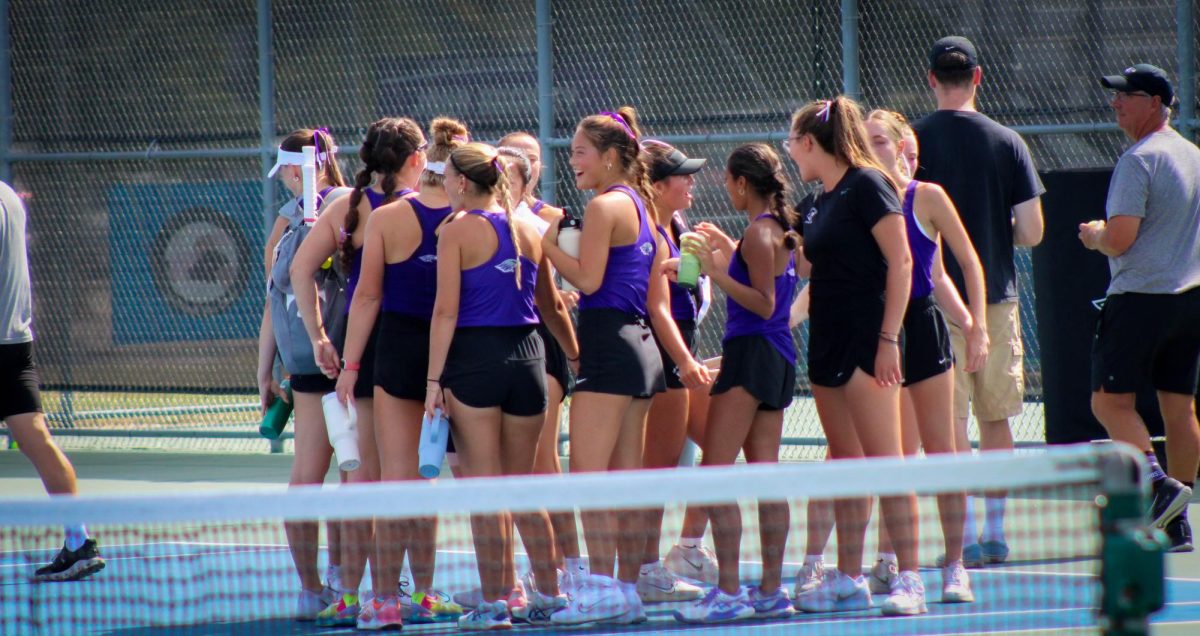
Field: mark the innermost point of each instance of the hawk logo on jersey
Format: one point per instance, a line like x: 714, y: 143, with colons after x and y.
x: 507, y: 266
x: 429, y: 258
x: 647, y: 249
x: 808, y: 218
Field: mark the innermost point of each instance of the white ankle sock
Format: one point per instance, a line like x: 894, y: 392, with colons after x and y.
x: 970, y: 533
x: 813, y: 559
x: 691, y: 542
x: 994, y: 529
x: 648, y: 567
x: 890, y: 557
x: 75, y: 536
x: 577, y: 565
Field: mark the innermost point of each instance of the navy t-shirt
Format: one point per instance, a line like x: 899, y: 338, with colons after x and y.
x: 986, y: 169
x: 836, y: 226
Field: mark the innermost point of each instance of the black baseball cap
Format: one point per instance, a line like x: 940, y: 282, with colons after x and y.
x: 1142, y: 77
x: 673, y: 163
x: 953, y: 44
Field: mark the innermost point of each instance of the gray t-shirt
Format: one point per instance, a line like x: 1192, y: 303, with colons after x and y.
x: 16, y: 306
x: 1158, y: 179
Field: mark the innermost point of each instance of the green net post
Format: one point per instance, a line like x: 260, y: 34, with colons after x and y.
x: 1132, y: 570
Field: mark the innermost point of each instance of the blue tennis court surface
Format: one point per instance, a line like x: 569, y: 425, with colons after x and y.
x: 213, y: 588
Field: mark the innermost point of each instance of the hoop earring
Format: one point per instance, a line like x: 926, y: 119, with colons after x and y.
x: 741, y: 192
x: 295, y: 178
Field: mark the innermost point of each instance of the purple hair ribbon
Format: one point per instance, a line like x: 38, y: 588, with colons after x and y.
x: 620, y: 120
x: 823, y: 114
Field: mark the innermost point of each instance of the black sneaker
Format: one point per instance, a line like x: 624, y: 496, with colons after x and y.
x: 72, y: 565
x: 1179, y: 531
x: 1170, y: 497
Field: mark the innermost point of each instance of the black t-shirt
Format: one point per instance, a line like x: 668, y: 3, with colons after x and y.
x: 836, y: 226
x: 986, y: 169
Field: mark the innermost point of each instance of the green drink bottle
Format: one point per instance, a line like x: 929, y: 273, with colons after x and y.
x: 276, y: 417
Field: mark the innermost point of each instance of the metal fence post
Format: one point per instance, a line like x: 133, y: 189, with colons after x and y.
x: 6, y: 94
x: 850, y: 80
x: 1185, y: 47
x: 266, y: 110
x: 545, y: 78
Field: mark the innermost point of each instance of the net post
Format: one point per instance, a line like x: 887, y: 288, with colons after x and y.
x: 1185, y: 39
x: 850, y: 19
x: 1132, y: 570
x: 545, y: 80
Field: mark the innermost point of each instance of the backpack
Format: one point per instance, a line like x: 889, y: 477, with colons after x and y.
x: 291, y: 338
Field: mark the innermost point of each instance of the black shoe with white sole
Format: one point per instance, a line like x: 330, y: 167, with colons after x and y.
x: 1171, y: 496
x: 72, y: 565
x: 1179, y: 531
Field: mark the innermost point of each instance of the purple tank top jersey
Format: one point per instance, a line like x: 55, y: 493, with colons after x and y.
x: 376, y: 200
x: 743, y: 322
x: 922, y: 248
x: 627, y: 274
x: 489, y: 296
x: 683, y: 304
x: 410, y: 286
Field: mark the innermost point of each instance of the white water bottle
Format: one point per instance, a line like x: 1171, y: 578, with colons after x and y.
x: 341, y: 422
x: 570, y: 229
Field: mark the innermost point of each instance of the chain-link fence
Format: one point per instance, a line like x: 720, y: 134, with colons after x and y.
x: 139, y: 135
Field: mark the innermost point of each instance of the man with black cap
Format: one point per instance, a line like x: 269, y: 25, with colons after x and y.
x: 989, y: 174
x: 1149, y: 329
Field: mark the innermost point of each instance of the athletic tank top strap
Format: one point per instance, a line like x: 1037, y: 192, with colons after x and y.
x: 410, y: 286
x: 683, y: 304
x: 376, y: 198
x: 489, y: 296
x: 922, y: 248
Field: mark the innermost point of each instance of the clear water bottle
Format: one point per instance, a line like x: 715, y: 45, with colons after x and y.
x: 570, y: 229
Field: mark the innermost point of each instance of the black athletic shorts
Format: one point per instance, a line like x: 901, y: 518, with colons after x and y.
x: 687, y: 329
x: 754, y: 364
x: 497, y: 366
x: 927, y: 351
x: 402, y: 356
x: 1148, y: 336
x: 557, y: 366
x: 843, y: 335
x: 312, y: 383
x: 19, y: 380
x: 617, y: 354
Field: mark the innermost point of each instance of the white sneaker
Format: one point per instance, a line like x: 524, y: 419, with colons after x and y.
x: 635, y: 612
x: 717, y: 607
x: 469, y: 599
x: 571, y: 578
x: 695, y: 564
x: 956, y: 584
x: 596, y: 598
x: 657, y: 584
x: 907, y: 597
x: 836, y: 593
x: 485, y: 617
x: 539, y: 608
x: 333, y: 578
x: 883, y: 576
x: 309, y: 604
x: 808, y: 578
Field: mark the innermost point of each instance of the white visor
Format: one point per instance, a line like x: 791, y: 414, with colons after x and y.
x: 436, y: 167
x: 289, y: 158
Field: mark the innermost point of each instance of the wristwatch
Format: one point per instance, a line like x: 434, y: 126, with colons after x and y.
x: 350, y: 366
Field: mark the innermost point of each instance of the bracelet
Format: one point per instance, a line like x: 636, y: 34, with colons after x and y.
x: 575, y: 359
x: 433, y: 380
x: 350, y: 366
x: 887, y: 337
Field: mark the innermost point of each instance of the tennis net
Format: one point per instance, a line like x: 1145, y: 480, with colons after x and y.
x: 220, y: 563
